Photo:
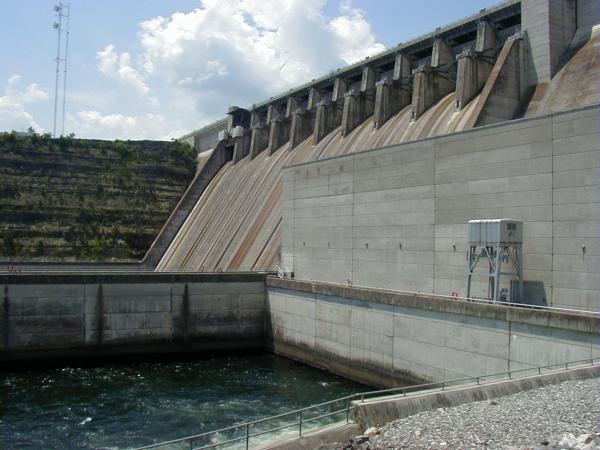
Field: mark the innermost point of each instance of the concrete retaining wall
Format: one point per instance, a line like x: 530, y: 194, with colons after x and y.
x: 88, y: 315
x: 395, y: 218
x: 384, y: 338
x: 380, y: 412
x: 206, y: 137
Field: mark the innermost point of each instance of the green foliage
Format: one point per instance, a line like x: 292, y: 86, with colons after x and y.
x: 39, y: 248
x: 63, y: 143
x: 8, y: 187
x: 121, y: 149
x: 182, y: 150
x: 9, y: 245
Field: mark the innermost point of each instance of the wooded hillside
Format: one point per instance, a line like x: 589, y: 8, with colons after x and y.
x: 72, y: 199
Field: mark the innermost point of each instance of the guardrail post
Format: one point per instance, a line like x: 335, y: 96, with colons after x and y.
x: 478, y: 380
x: 348, y: 411
x: 247, y: 436
x: 300, y: 426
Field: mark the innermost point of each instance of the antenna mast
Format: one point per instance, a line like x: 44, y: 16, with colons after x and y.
x: 58, y: 27
x: 67, y: 33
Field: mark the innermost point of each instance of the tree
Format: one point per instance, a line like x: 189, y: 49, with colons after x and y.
x: 8, y: 243
x: 39, y: 248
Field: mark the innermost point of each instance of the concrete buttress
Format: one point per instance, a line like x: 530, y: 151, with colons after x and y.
x: 431, y: 83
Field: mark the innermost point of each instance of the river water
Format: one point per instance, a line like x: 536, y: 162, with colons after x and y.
x: 121, y: 405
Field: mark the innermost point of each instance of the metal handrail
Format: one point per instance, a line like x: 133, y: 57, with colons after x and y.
x: 360, y: 397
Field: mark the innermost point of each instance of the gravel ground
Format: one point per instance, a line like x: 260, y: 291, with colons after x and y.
x: 565, y: 416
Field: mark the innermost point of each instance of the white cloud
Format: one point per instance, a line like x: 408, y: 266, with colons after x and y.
x: 120, y: 67
x: 225, y: 52
x: 14, y: 103
x: 93, y: 124
x: 241, y: 51
x: 353, y: 36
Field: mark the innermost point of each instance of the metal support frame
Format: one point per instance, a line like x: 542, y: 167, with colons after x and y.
x: 495, y: 257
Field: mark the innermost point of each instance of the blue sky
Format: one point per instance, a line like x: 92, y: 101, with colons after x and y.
x: 159, y: 68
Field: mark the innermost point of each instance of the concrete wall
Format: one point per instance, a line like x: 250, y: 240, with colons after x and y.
x: 382, y: 338
x: 88, y: 315
x: 381, y: 411
x: 395, y: 218
x: 211, y: 167
x: 550, y: 25
x: 205, y: 138
x: 588, y: 13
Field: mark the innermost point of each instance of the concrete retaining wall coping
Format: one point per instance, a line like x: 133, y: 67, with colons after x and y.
x: 152, y: 277
x: 549, y: 318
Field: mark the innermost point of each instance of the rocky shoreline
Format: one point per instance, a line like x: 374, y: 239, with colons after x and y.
x: 562, y: 416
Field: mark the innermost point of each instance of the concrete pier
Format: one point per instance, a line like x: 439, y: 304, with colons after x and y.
x: 506, y: 89
x: 433, y: 82
x: 475, y: 65
x: 328, y: 109
x: 359, y: 102
x: 303, y: 124
x: 314, y: 97
x: 259, y: 140
x: 549, y: 27
x: 279, y: 132
x: 323, y: 120
x: 392, y: 93
x: 351, y: 115
x: 241, y: 142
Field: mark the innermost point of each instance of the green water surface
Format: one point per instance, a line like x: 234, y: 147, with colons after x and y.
x: 121, y: 405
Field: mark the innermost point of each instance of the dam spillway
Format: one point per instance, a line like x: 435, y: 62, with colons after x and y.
x: 361, y: 183
x: 236, y: 223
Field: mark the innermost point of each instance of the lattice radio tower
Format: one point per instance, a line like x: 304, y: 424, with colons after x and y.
x: 63, y: 13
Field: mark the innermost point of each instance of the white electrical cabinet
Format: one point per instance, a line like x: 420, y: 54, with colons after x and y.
x: 494, y: 232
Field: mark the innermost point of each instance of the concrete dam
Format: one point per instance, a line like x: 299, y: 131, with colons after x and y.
x: 358, y: 187
x: 361, y: 184
x: 368, y: 176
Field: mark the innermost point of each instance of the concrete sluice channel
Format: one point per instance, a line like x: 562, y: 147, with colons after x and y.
x: 127, y: 405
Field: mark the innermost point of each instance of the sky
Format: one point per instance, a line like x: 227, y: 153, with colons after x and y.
x: 157, y: 69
